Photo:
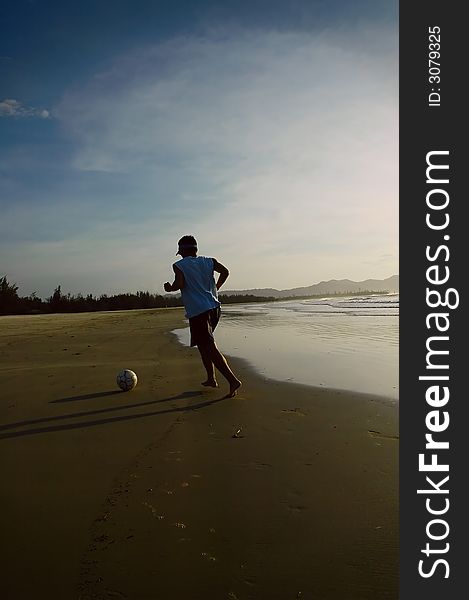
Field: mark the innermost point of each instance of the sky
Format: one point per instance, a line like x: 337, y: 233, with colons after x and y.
x: 267, y: 129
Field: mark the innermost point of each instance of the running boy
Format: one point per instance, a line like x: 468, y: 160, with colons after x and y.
x: 194, y: 276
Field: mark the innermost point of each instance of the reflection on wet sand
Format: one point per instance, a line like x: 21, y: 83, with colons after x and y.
x: 347, y: 343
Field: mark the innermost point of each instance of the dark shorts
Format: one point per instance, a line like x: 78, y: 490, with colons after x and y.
x: 202, y: 327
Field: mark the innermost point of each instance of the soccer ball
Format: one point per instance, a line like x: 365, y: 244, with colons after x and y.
x: 126, y: 380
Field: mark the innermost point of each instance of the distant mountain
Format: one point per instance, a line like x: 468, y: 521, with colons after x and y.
x: 334, y: 286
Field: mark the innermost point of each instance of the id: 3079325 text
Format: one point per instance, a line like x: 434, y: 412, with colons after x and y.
x: 434, y: 66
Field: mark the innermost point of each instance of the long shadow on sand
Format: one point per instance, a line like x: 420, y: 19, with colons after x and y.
x: 83, y: 424
x: 86, y: 396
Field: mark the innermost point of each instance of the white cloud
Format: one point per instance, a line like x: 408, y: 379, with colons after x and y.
x: 261, y: 96
x: 9, y: 107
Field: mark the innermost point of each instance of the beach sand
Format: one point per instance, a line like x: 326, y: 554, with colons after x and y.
x: 152, y: 494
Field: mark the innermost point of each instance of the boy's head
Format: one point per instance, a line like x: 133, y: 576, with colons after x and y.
x: 187, y: 246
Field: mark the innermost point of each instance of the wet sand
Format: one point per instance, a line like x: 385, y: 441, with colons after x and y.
x: 153, y: 494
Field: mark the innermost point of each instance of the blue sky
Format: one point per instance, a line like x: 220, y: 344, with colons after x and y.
x: 267, y: 129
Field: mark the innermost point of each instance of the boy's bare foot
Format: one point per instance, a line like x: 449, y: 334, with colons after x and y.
x: 234, y: 387
x: 210, y: 383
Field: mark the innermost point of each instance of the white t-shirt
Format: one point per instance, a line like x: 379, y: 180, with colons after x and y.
x: 199, y: 293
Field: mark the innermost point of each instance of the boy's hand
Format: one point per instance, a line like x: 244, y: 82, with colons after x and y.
x: 168, y: 287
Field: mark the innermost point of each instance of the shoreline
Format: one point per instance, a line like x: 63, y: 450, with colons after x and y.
x: 258, y: 372
x: 247, y: 365
x: 127, y: 493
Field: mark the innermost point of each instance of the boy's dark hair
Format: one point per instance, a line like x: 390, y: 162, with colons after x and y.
x: 188, y: 241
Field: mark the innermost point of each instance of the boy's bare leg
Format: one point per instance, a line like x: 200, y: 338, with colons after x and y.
x: 209, y: 367
x: 221, y: 364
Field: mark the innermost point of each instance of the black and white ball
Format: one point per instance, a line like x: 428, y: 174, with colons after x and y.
x: 126, y: 380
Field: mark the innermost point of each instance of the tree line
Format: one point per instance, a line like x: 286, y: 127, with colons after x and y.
x: 59, y: 302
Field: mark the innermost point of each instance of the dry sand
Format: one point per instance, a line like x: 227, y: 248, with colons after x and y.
x: 147, y: 494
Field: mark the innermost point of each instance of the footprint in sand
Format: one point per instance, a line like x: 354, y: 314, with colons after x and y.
x: 378, y: 434
x: 297, y: 509
x: 154, y: 511
x: 296, y: 411
x: 208, y: 556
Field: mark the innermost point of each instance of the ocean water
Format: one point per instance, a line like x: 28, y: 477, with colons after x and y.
x: 348, y: 343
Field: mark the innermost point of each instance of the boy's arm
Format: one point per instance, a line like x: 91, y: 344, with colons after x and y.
x: 219, y: 268
x: 178, y: 282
